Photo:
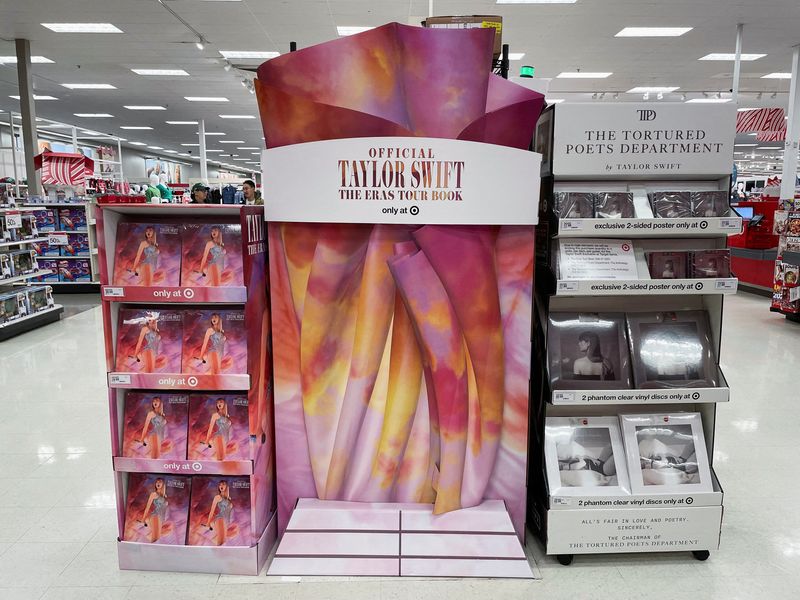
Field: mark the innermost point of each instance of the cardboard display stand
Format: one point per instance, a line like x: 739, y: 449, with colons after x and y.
x: 401, y: 293
x: 640, y: 149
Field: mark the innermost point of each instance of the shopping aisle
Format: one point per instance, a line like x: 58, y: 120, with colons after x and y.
x: 58, y: 523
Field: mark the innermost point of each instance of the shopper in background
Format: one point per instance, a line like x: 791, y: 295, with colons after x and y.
x: 251, y: 196
x: 199, y: 194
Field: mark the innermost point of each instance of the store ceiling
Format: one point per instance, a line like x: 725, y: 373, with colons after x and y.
x: 554, y: 38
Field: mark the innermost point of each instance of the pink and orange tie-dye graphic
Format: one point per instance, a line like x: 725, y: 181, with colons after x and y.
x: 401, y: 353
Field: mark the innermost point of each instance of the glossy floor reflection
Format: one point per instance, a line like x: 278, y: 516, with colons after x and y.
x: 58, y: 524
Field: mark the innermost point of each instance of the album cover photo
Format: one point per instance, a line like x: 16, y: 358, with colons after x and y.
x: 585, y: 456
x: 219, y: 427
x: 212, y: 255
x: 574, y: 205
x: 671, y: 350
x: 155, y: 425
x: 214, y: 342
x: 220, y: 512
x: 588, y: 351
x: 149, y: 340
x: 671, y: 205
x: 791, y: 275
x: 667, y: 265
x: 147, y: 254
x: 779, y: 221
x: 793, y: 223
x: 710, y: 204
x: 666, y: 453
x: 614, y: 205
x: 710, y: 263
x: 157, y: 509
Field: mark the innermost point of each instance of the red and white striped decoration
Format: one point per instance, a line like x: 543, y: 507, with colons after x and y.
x: 60, y: 168
x: 771, y: 136
x: 761, y: 119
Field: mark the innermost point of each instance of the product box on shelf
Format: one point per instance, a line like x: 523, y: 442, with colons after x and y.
x: 668, y: 265
x: 39, y: 298
x: 51, y: 265
x: 212, y: 255
x: 5, y: 265
x: 74, y: 270
x: 147, y: 254
x: 218, y: 427
x: 44, y: 249
x: 155, y: 425
x: 46, y: 220
x: 710, y: 263
x: 12, y: 306
x: 18, y: 227
x: 157, y: 509
x: 72, y: 218
x: 22, y: 262
x: 149, y: 340
x: 220, y: 512
x: 77, y: 245
x: 214, y: 341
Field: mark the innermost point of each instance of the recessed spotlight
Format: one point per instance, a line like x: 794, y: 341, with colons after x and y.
x: 245, y: 54
x: 660, y: 95
x: 88, y: 86
x: 35, y: 97
x: 161, y: 72
x: 726, y: 56
x: 227, y: 66
x: 653, y: 31
x: 777, y: 76
x: 344, y: 30
x: 142, y: 127
x: 93, y: 115
x: 583, y: 75
x: 774, y: 95
x: 655, y: 89
x: 36, y: 60
x: 82, y: 27
x: 181, y: 122
x: 199, y: 44
x: 144, y: 107
x: 206, y: 99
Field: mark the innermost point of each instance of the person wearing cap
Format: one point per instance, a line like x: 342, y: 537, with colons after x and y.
x: 199, y: 194
x: 251, y: 196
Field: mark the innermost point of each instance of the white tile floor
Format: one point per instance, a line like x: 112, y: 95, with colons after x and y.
x: 58, y: 524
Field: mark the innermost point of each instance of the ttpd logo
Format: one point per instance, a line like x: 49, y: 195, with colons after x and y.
x: 646, y: 115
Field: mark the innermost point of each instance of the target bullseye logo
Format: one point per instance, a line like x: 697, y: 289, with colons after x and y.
x: 192, y: 381
x: 196, y: 466
x: 188, y: 293
x: 414, y: 210
x: 626, y: 247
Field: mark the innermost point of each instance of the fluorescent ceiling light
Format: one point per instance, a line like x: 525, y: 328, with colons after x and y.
x: 653, y: 31
x: 189, y: 145
x: 145, y: 107
x: 554, y: 100
x: 652, y: 90
x: 777, y: 76
x: 181, y: 122
x: 36, y: 60
x: 726, y: 56
x: 137, y: 144
x: 746, y: 109
x: 343, y: 30
x: 256, y: 153
x: 93, y: 115
x: 242, y: 54
x: 583, y: 75
x: 206, y: 99
x: 171, y: 151
x: 708, y: 101
x: 214, y: 133
x: 516, y: 55
x: 185, y: 154
x: 236, y: 117
x: 536, y: 1
x: 744, y: 145
x: 35, y: 97
x: 135, y: 127
x: 82, y: 27
x: 209, y: 150
x: 177, y: 72
x: 231, y: 142
x: 88, y: 86
x: 247, y: 148
x: 155, y: 148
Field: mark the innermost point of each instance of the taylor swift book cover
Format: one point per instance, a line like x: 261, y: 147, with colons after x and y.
x: 149, y: 340
x: 214, y: 342
x: 155, y: 425
x: 157, y: 509
x: 212, y: 255
x: 147, y: 254
x: 218, y: 427
x: 220, y: 512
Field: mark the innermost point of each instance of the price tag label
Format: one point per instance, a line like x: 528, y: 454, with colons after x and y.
x: 734, y: 224
x: 563, y: 397
x: 13, y: 220
x: 113, y: 292
x: 568, y: 225
x: 119, y: 379
x: 726, y: 284
x: 567, y: 286
x: 57, y: 238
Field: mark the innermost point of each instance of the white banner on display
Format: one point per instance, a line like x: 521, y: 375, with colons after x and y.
x: 643, y: 140
x: 401, y: 180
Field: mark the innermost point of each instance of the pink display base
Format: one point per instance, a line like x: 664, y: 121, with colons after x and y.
x: 178, y: 295
x: 179, y: 381
x: 229, y: 560
x: 393, y: 539
x: 183, y: 467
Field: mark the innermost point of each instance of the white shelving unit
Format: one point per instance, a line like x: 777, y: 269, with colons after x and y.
x: 570, y: 525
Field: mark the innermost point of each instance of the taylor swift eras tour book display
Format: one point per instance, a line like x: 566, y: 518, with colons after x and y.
x: 187, y: 347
